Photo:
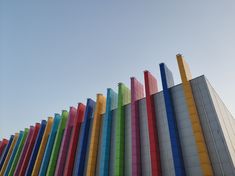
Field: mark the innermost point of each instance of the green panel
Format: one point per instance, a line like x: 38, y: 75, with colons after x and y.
x: 57, y: 143
x: 123, y: 99
x: 19, y: 150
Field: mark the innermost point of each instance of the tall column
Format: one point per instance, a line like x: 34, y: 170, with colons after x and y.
x: 195, y: 121
x: 93, y: 149
x: 82, y: 148
x: 150, y: 89
x: 68, y: 170
x: 167, y: 82
x: 65, y: 142
x: 21, y: 134
x: 36, y: 148
x: 19, y: 150
x: 57, y: 143
x: 123, y: 99
x: 24, y: 151
x: 3, y: 169
x: 26, y: 157
x: 137, y: 93
x: 42, y: 146
x: 111, y: 103
x: 49, y: 146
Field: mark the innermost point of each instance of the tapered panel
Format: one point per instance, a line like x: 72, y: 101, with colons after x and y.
x: 196, y: 126
x: 18, y: 152
x: 68, y: 171
x: 57, y: 144
x: 82, y: 148
x: 49, y: 146
x: 42, y: 146
x: 150, y: 89
x: 95, y: 134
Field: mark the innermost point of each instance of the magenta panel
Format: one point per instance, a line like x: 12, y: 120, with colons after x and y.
x: 137, y: 93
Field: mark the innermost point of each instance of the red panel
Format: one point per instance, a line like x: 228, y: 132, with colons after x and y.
x: 68, y: 171
x: 150, y: 89
x: 3, y: 145
x: 61, y: 161
x: 30, y: 149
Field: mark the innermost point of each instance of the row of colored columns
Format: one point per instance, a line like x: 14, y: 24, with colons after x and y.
x: 68, y: 144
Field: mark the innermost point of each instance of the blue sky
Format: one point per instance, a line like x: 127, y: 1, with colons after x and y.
x: 56, y: 54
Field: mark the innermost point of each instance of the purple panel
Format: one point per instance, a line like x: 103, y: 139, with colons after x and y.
x: 24, y: 150
x: 137, y: 93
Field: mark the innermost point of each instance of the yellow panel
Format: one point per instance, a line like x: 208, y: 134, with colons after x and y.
x: 197, y: 129
x: 42, y: 146
x: 9, y: 154
x: 93, y: 149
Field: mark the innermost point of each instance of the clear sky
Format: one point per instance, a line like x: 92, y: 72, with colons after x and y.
x: 56, y: 54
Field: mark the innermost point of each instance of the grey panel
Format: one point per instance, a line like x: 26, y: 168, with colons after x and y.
x: 144, y: 139
x: 88, y: 146
x: 187, y: 140
x: 97, y: 172
x: 112, y: 149
x: 217, y: 127
x: 167, y: 163
x: 128, y: 153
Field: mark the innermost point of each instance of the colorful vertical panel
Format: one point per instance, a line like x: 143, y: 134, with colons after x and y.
x: 24, y: 151
x: 4, y: 155
x: 167, y: 82
x: 194, y: 117
x: 68, y: 170
x: 57, y: 143
x: 123, y: 99
x: 82, y: 148
x: 19, y: 150
x: 2, y: 146
x: 95, y: 134
x: 36, y: 148
x: 65, y: 142
x: 3, y: 169
x: 150, y: 89
x: 14, y: 153
x: 111, y: 103
x: 49, y: 146
x: 41, y: 150
x: 28, y: 153
x: 137, y: 93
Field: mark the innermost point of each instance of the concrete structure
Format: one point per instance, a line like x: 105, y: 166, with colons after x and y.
x: 184, y: 130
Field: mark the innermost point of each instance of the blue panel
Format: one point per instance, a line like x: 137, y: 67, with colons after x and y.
x: 167, y: 82
x: 81, y: 151
x: 36, y: 148
x: 111, y: 103
x: 4, y: 155
x: 14, y: 153
x: 50, y: 143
